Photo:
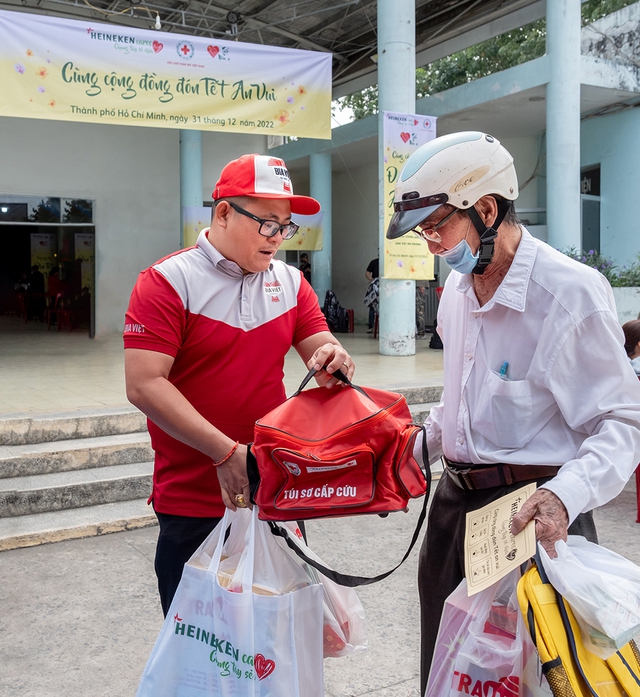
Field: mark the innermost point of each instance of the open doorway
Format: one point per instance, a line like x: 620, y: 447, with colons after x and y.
x: 47, y: 269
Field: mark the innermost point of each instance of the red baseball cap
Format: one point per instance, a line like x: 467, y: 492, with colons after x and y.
x: 261, y: 176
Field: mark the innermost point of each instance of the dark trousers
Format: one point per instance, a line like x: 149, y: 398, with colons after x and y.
x: 178, y: 539
x: 441, y: 562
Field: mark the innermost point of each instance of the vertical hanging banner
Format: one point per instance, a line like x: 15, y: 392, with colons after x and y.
x: 407, y: 257
x: 70, y: 70
x: 85, y: 251
x: 43, y: 248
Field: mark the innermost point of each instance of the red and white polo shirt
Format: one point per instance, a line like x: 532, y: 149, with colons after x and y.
x: 229, y: 334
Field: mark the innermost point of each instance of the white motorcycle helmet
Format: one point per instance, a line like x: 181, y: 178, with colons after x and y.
x: 457, y: 169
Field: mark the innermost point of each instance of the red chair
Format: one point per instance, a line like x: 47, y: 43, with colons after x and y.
x: 59, y: 312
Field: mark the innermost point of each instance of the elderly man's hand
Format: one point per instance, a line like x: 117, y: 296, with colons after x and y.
x: 335, y: 358
x: 552, y: 519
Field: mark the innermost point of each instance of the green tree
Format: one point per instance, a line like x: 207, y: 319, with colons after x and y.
x: 491, y: 56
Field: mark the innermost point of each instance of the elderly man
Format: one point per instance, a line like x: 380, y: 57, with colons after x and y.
x: 537, y: 386
x: 206, y: 335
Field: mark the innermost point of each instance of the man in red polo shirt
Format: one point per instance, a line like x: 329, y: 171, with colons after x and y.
x: 206, y: 335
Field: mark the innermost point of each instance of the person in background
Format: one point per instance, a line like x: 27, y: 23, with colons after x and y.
x: 55, y: 285
x: 205, y: 337
x: 537, y: 386
x: 305, y: 266
x: 35, y: 294
x: 632, y: 343
x: 372, y: 274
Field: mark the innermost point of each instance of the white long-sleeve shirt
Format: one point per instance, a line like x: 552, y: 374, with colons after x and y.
x: 570, y: 396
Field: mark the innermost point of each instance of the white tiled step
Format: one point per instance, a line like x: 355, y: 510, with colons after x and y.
x: 89, y: 487
x: 79, y: 453
x: 31, y: 530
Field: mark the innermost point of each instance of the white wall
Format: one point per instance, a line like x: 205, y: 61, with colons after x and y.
x: 355, y: 234
x: 614, y: 142
x: 132, y: 174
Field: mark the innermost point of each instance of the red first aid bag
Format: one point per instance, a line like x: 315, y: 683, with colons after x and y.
x: 345, y: 451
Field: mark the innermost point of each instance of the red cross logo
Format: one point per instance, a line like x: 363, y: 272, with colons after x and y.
x: 185, y: 50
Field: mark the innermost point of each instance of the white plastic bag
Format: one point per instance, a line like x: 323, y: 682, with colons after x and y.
x: 483, y: 647
x: 603, y: 590
x: 345, y: 630
x: 237, y: 644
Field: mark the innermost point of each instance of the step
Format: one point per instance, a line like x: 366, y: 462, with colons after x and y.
x: 75, y: 489
x: 22, y: 429
x: 419, y: 412
x: 75, y: 523
x: 80, y: 453
x: 420, y: 394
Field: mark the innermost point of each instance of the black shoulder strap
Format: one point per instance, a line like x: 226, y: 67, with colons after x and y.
x: 346, y: 579
x: 353, y: 581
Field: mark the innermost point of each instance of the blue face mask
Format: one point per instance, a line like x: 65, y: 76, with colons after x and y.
x: 460, y: 258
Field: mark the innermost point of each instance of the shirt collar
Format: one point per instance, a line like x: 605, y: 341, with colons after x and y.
x: 512, y: 292
x: 219, y: 261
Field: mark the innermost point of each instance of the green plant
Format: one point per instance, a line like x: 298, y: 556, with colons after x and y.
x: 627, y: 276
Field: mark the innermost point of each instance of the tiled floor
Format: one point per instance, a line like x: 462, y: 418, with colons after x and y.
x: 53, y: 371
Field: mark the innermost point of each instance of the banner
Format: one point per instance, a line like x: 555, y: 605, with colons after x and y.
x: 85, y: 251
x: 69, y: 70
x: 407, y: 257
x: 43, y: 248
x: 308, y: 237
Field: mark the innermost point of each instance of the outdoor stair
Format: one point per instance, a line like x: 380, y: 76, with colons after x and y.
x: 73, y: 474
x: 85, y: 473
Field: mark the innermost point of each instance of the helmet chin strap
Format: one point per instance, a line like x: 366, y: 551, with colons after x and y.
x: 487, y: 235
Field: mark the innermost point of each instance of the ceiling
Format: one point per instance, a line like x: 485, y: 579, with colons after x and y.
x: 346, y: 28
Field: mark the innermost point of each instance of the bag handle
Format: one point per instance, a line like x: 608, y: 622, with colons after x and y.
x: 338, y: 374
x: 217, y: 554
x: 354, y: 581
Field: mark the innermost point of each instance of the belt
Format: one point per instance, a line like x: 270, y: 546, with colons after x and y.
x: 469, y: 477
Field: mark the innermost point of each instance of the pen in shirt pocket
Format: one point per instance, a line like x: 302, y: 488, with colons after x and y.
x: 503, y: 370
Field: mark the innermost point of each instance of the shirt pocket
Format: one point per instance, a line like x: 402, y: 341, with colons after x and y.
x: 504, y: 411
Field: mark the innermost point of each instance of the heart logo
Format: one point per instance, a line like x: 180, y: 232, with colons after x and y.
x: 264, y: 666
x: 415, y: 122
x: 405, y: 136
x: 213, y: 51
x: 157, y: 46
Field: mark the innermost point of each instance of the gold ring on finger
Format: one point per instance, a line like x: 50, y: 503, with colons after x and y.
x: 240, y: 502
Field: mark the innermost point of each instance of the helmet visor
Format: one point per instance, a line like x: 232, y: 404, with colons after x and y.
x: 403, y: 221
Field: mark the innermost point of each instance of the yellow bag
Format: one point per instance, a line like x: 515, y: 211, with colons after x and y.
x: 570, y: 669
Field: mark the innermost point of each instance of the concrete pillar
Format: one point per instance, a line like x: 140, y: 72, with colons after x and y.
x: 563, y: 124
x: 190, y: 173
x: 396, y: 92
x: 320, y: 186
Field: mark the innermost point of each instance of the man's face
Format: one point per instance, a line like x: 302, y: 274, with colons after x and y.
x: 249, y: 249
x: 444, y: 228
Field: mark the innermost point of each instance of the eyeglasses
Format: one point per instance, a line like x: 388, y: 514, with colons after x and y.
x: 429, y: 234
x: 269, y: 228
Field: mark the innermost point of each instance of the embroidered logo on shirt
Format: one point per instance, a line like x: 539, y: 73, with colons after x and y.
x: 273, y: 289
